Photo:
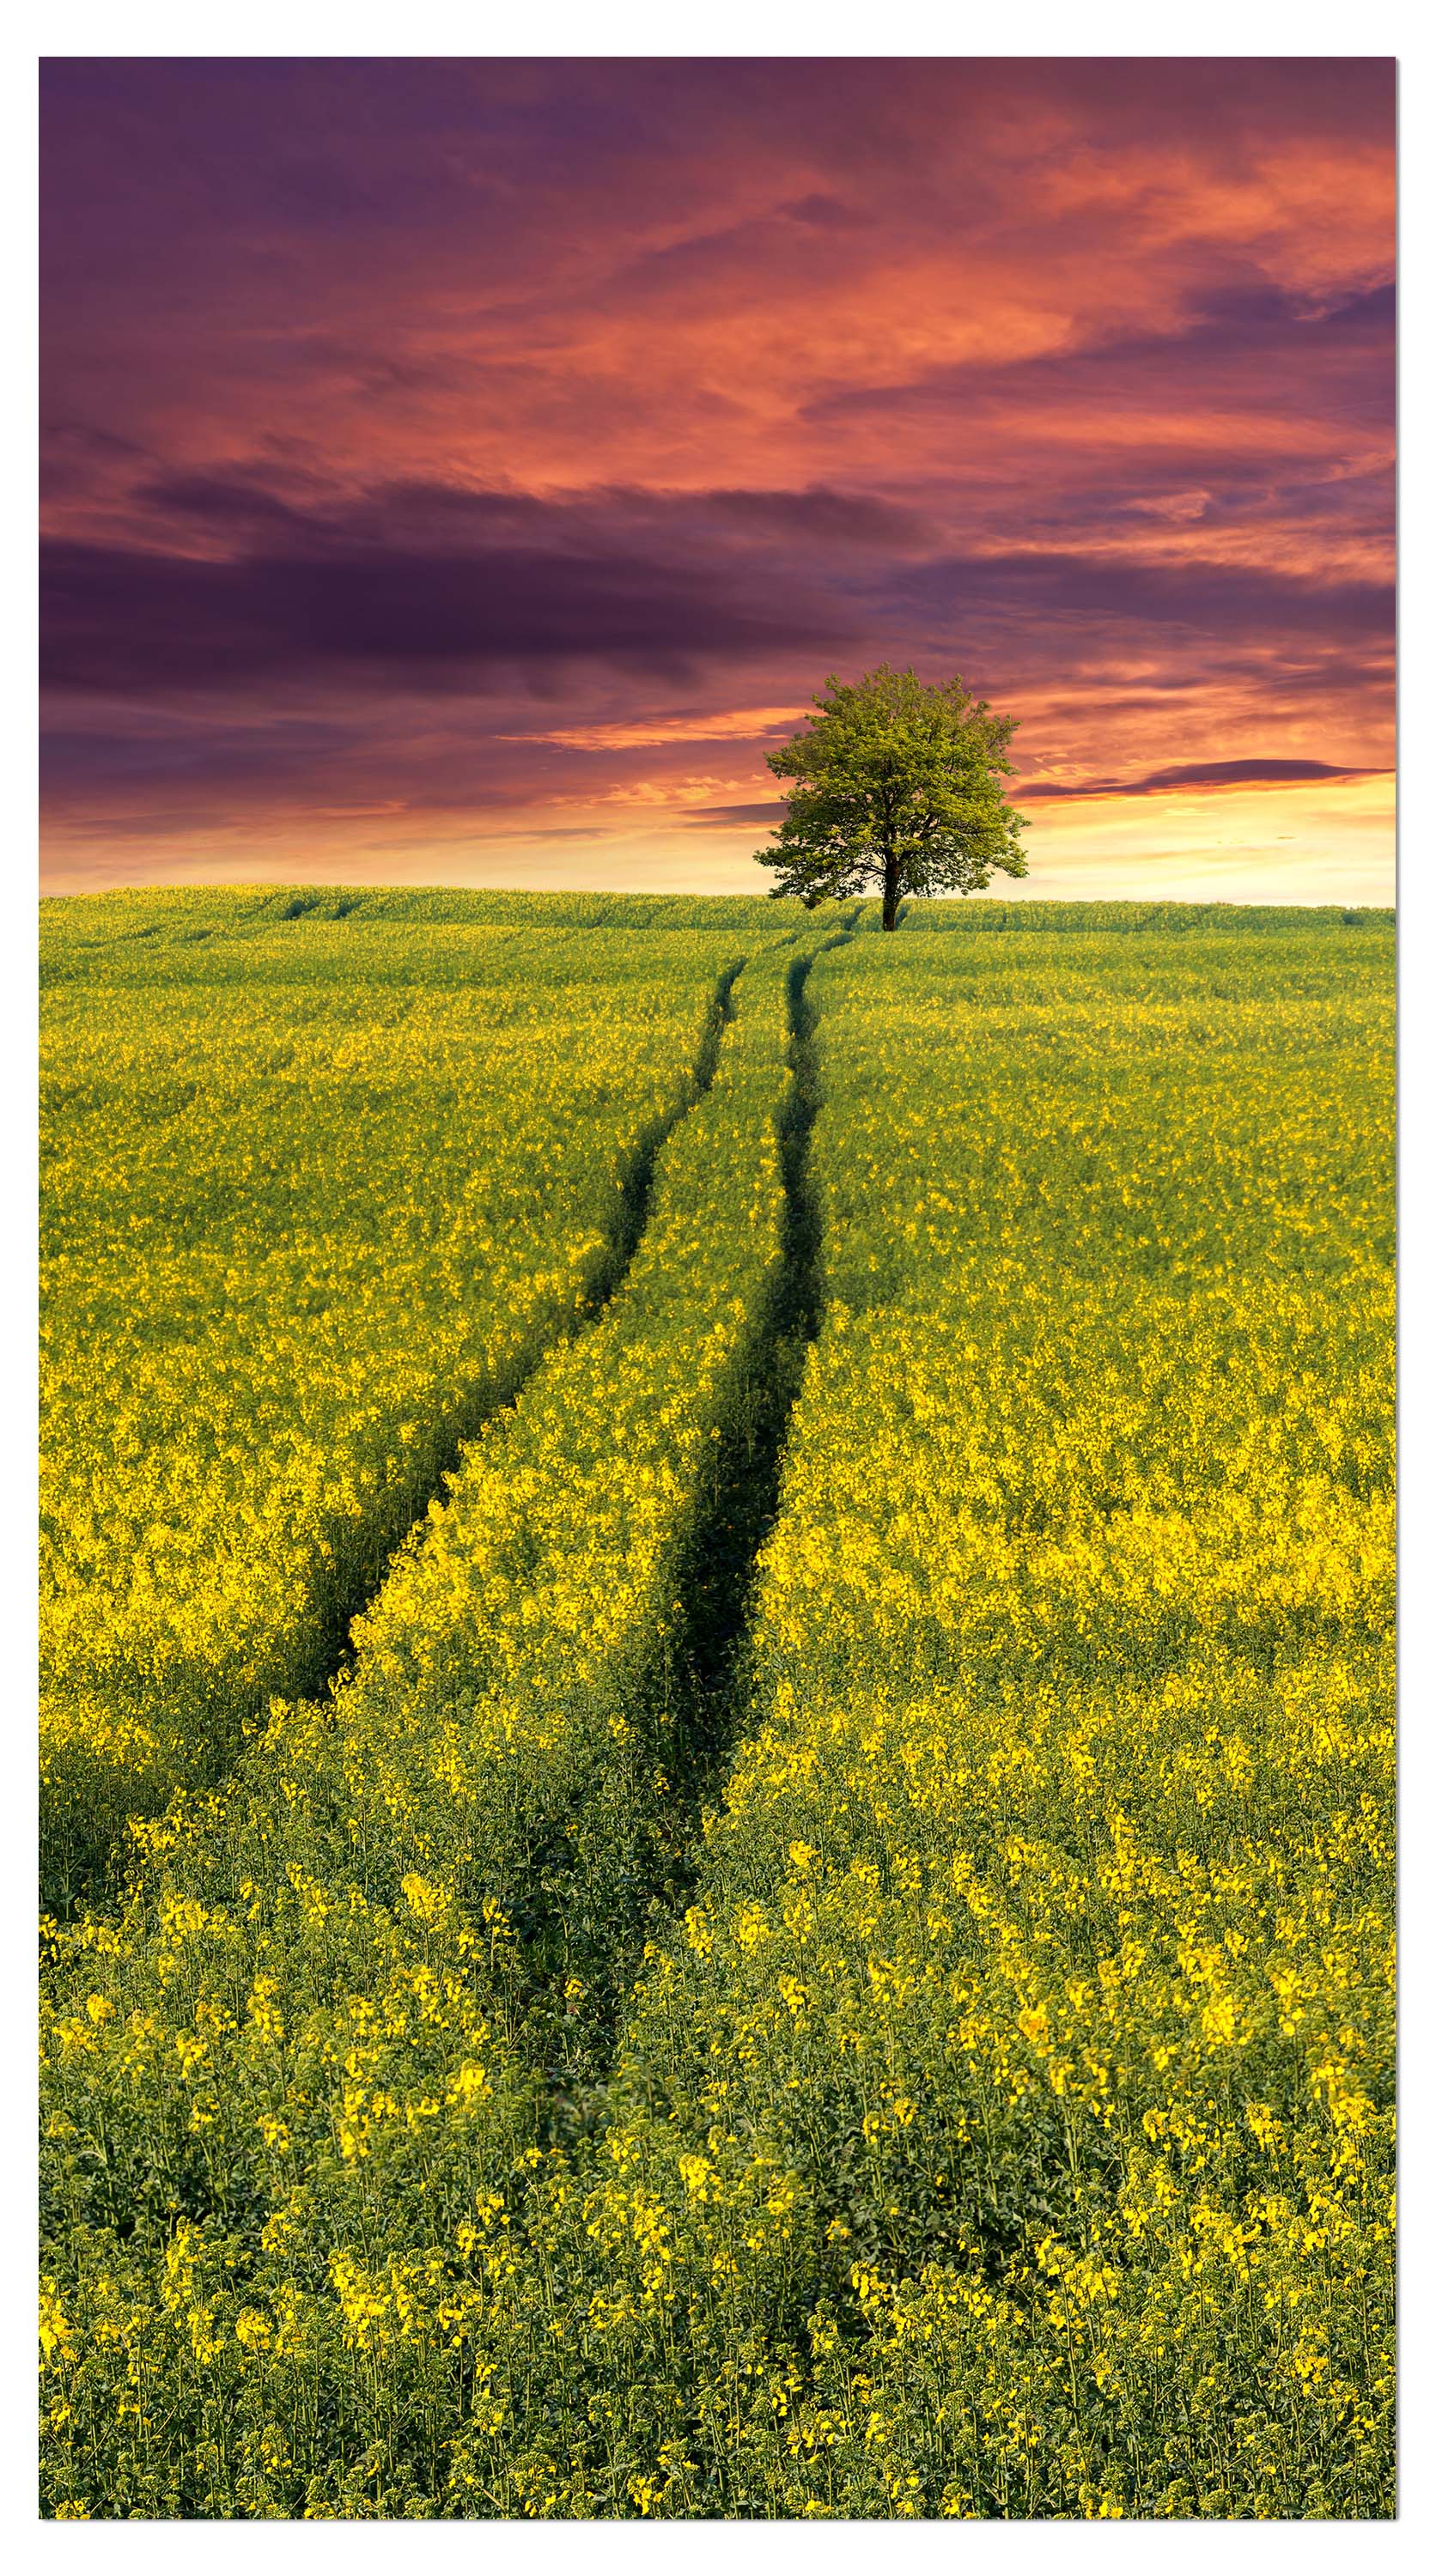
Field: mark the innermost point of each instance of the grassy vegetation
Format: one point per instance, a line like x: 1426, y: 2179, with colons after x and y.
x: 899, y: 2027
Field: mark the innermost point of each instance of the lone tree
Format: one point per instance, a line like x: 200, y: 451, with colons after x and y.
x: 897, y: 784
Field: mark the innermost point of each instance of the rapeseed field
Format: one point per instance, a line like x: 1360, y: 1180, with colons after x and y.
x: 824, y: 1945
x: 316, y: 1198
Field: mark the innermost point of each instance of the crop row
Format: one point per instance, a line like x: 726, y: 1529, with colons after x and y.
x: 1243, y: 921
x: 75, y: 929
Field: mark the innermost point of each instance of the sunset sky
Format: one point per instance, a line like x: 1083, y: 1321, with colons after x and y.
x: 464, y: 470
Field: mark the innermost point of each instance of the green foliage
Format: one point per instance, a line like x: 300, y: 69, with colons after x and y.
x: 899, y: 784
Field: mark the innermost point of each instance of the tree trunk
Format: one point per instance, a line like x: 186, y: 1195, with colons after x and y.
x: 890, y: 891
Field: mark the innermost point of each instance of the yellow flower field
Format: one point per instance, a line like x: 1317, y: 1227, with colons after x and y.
x: 317, y: 1196
x: 830, y: 1953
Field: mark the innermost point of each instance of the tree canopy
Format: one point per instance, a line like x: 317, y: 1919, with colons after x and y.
x: 898, y: 784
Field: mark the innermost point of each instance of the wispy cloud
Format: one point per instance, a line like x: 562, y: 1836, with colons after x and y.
x: 1198, y: 773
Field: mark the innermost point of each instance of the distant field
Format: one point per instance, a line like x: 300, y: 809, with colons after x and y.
x: 717, y: 1741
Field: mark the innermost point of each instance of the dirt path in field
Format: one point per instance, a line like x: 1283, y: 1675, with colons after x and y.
x: 719, y: 1573
x: 695, y: 1696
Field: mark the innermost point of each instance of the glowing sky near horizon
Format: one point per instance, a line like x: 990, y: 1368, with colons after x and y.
x: 466, y: 470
